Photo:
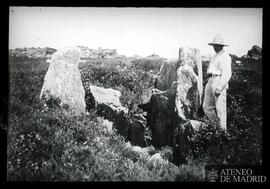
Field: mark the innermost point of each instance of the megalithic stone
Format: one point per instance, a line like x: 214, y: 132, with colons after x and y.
x: 189, y: 83
x: 63, y: 83
x: 107, y: 104
x: 175, y: 101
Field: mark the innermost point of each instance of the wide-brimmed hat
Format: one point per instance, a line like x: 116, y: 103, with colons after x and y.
x: 218, y: 40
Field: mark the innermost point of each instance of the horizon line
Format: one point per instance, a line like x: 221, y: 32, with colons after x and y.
x: 205, y: 55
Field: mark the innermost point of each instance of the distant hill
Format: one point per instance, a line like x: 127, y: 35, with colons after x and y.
x: 32, y: 52
x: 254, y: 54
x: 86, y: 53
x: 98, y: 53
x: 47, y: 52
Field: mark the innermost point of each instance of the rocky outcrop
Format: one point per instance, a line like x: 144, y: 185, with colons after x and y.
x: 153, y: 56
x: 175, y: 102
x: 252, y: 61
x: 99, y: 53
x: 107, y: 53
x: 89, y: 53
x: 107, y: 104
x: 86, y: 53
x: 32, y: 52
x: 47, y: 52
x: 255, y: 52
x: 62, y: 84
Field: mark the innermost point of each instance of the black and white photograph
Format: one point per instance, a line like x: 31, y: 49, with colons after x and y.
x: 170, y: 94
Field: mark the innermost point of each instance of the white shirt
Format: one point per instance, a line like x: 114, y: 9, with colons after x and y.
x: 220, y: 64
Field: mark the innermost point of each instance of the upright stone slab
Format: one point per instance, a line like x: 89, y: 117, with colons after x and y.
x: 186, y: 75
x: 62, y: 81
x: 175, y: 101
x: 189, y: 83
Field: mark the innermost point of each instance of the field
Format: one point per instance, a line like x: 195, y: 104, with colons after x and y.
x: 51, y: 146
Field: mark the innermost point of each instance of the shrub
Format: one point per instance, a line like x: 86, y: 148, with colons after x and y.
x: 147, y: 65
x: 210, y: 143
x: 128, y: 81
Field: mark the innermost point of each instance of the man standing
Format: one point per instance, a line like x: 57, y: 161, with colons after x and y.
x: 219, y: 73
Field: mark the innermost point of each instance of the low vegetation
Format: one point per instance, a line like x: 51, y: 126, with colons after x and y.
x: 52, y: 146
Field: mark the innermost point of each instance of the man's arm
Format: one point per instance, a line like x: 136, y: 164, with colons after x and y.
x: 226, y: 72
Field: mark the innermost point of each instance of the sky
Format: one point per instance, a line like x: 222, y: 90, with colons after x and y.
x: 140, y: 31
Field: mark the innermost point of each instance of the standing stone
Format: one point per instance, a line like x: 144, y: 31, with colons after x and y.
x: 62, y: 81
x: 189, y: 83
x: 176, y: 101
x: 186, y: 75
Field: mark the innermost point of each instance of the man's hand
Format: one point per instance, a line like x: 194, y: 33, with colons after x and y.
x: 155, y: 91
x: 217, y: 92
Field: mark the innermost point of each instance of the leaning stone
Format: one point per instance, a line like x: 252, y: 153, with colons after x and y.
x: 108, y: 105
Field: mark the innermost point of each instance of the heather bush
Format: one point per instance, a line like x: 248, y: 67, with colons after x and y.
x: 147, y: 65
x: 210, y: 143
x: 245, y: 118
x: 130, y: 82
